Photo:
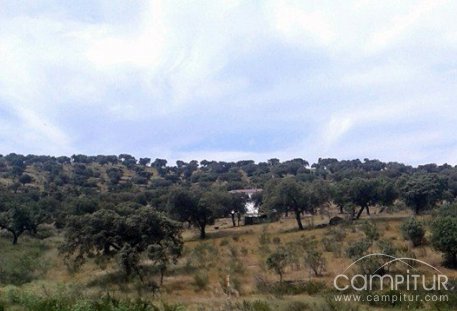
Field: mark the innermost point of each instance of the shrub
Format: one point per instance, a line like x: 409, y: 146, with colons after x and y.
x: 386, y: 247
x: 203, y: 255
x: 413, y: 230
x: 337, y: 233
x: 201, y: 280
x: 331, y: 245
x: 444, y: 238
x: 358, y: 249
x: 370, y: 230
x: 276, y: 240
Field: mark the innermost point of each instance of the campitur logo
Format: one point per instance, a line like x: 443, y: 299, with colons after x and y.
x: 377, y: 276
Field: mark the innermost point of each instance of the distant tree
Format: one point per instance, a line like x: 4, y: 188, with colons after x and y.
x: 114, y: 175
x: 422, y: 191
x: 80, y: 158
x: 198, y: 207
x: 340, y: 194
x: 387, y: 192
x: 63, y: 160
x: 25, y: 179
x: 81, y: 205
x: 144, y: 161
x: 289, y: 194
x: 363, y: 192
x: 160, y: 165
x: 18, y: 218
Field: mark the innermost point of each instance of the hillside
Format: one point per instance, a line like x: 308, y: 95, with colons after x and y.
x: 93, y: 231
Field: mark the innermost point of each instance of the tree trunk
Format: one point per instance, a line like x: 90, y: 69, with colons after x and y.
x: 202, y: 232
x: 162, y: 272
x: 298, y: 218
x: 14, y: 238
x: 360, y: 212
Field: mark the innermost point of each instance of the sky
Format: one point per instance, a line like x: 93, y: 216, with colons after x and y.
x: 230, y: 80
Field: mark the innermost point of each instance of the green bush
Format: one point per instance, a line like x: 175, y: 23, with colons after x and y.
x: 414, y: 231
x: 444, y: 238
x: 337, y: 233
x: 67, y: 301
x: 358, y: 249
x: 21, y: 264
x: 370, y: 230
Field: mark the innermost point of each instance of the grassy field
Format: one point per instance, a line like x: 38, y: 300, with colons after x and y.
x: 225, y: 272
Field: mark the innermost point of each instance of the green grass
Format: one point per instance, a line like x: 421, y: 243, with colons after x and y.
x: 22, y: 263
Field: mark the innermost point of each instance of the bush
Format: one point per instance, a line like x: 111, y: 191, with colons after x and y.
x: 413, y: 230
x: 358, y: 249
x: 386, y: 247
x: 336, y: 233
x: 201, y: 280
x: 370, y: 230
x: 65, y: 300
x: 203, y: 255
x: 19, y: 265
x: 444, y: 239
x: 331, y: 245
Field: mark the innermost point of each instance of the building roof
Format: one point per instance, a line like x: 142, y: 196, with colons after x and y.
x: 247, y: 191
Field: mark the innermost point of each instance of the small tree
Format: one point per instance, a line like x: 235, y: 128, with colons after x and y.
x: 25, y: 179
x: 278, y: 262
x: 163, y: 255
x: 444, y: 238
x: 314, y: 259
x: 126, y: 234
x: 413, y: 230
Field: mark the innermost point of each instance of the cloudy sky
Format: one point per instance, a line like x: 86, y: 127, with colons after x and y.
x: 230, y: 80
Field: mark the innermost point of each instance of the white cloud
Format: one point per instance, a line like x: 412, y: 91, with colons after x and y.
x: 362, y: 63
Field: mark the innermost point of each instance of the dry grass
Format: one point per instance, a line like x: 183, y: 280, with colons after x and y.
x: 234, y: 251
